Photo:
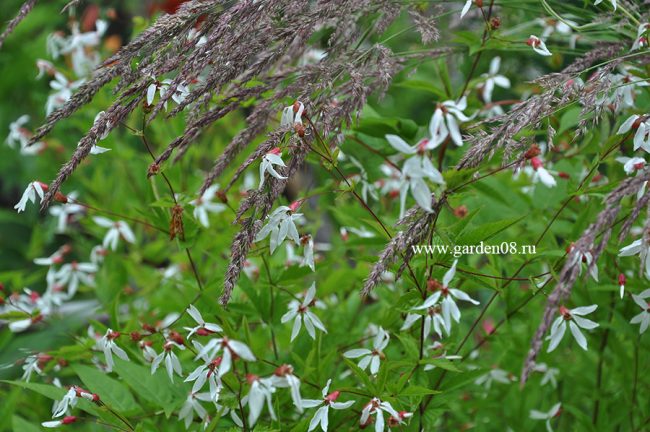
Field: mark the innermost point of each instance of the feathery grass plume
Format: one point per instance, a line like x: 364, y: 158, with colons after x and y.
x: 571, y: 270
x: 560, y: 89
x: 418, y: 224
x: 24, y: 10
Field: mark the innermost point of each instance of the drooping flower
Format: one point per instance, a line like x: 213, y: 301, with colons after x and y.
x: 300, y: 312
x: 549, y: 374
x: 191, y: 406
x: 414, y: 172
x: 161, y: 87
x: 642, y: 134
x: 74, y: 273
x: 448, y: 305
x: 641, y: 40
x: 261, y: 392
x: 377, y: 407
x: 172, y: 364
x: 541, y: 173
x: 495, y: 375
x: 444, y: 121
x: 538, y: 46
x: 231, y: 348
x: 432, y: 319
x: 211, y: 373
x: 621, y: 284
x: 116, y: 230
x: 56, y: 423
x: 575, y: 320
x: 283, y: 377
x: 641, y: 248
x: 274, y: 157
x: 64, y: 212
x: 371, y: 357
x: 203, y: 328
x: 644, y: 317
x: 552, y: 413
x: 204, y: 205
x: 631, y: 165
x: 109, y: 347
x: 33, y: 190
x: 62, y: 92
x: 77, y: 45
x: 492, y: 78
x: 321, y: 417
x: 281, y: 224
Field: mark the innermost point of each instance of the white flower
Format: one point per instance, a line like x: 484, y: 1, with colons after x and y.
x: 283, y: 377
x: 192, y: 405
x: 292, y: 115
x: 17, y: 133
x: 56, y: 423
x: 371, y: 357
x: 466, y: 7
x: 229, y: 348
x: 95, y: 149
x: 308, y: 252
x: 211, y: 373
x: 552, y: 25
x: 448, y: 305
x: 117, y: 229
x: 444, y: 121
x: 576, y: 322
x: 553, y: 412
x: 261, y: 391
x: 65, y: 211
x: 644, y: 317
x: 69, y: 401
x: 172, y: 364
x: 538, y: 45
x: 493, y: 78
x: 204, y: 205
x: 31, y: 365
x: 414, y: 172
x: 641, y: 248
x: 550, y: 374
x: 588, y: 259
x: 377, y: 407
x: 432, y: 318
x: 281, y: 224
x: 203, y: 328
x: 148, y: 353
x: 77, y: 44
x: 299, y: 312
x: 33, y: 189
x: 73, y: 273
x: 97, y: 254
x: 641, y: 40
x: 108, y: 345
x: 642, y: 134
x: 62, y: 92
x: 321, y: 417
x: 541, y: 173
x: 631, y: 165
x: 498, y: 375
x: 274, y: 157
x: 437, y: 346
x: 181, y: 92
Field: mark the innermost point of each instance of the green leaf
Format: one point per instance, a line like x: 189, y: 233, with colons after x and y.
x: 20, y: 424
x: 361, y: 375
x: 154, y: 388
x: 415, y: 390
x: 112, y: 392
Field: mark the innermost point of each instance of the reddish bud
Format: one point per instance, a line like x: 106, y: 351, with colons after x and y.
x: 295, y: 205
x: 532, y: 152
x: 276, y: 151
x: 639, y: 166
x: 536, y: 163
x: 564, y: 175
x: 68, y: 419
x: 332, y: 396
x: 433, y: 285
x: 621, y: 279
x: 565, y: 313
x: 478, y: 3
x: 461, y: 211
x: 203, y: 332
x: 176, y: 337
x: 495, y: 22
x: 135, y: 336
x: 250, y: 378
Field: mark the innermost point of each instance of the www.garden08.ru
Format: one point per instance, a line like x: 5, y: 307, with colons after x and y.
x: 503, y: 248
